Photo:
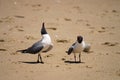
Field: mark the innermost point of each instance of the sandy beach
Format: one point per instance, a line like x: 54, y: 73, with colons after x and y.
x: 98, y: 21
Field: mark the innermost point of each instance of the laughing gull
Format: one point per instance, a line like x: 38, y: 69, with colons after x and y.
x: 77, y: 47
x: 44, y: 45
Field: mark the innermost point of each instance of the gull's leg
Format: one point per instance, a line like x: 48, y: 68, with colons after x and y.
x: 38, y: 58
x: 75, y: 57
x: 80, y: 57
x: 41, y: 59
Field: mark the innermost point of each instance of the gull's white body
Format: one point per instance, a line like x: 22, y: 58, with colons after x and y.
x: 46, y: 41
x: 78, y: 47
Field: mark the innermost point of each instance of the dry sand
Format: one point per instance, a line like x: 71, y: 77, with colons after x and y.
x: 98, y: 21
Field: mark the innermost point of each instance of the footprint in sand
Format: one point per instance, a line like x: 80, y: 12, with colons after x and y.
x: 57, y: 66
x: 62, y: 41
x: 29, y: 37
x: 110, y: 43
x: 2, y: 40
x: 19, y: 16
x: 63, y: 59
x: 36, y: 7
x: 103, y: 29
x: 52, y: 28
x: 7, y: 19
x: 118, y: 52
x: 50, y: 55
x: 118, y: 72
x: 3, y: 50
x: 79, y: 10
x: 67, y: 19
x: 88, y: 66
x: 19, y: 28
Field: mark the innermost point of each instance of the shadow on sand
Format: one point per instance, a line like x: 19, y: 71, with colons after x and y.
x: 73, y: 62
x: 31, y: 62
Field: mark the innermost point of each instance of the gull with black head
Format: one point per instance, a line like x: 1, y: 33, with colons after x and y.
x: 77, y: 47
x: 42, y: 46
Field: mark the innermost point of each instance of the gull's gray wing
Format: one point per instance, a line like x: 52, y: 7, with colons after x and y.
x: 35, y: 48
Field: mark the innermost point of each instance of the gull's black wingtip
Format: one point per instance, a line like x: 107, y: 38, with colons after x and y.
x: 22, y: 51
x: 69, y: 51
